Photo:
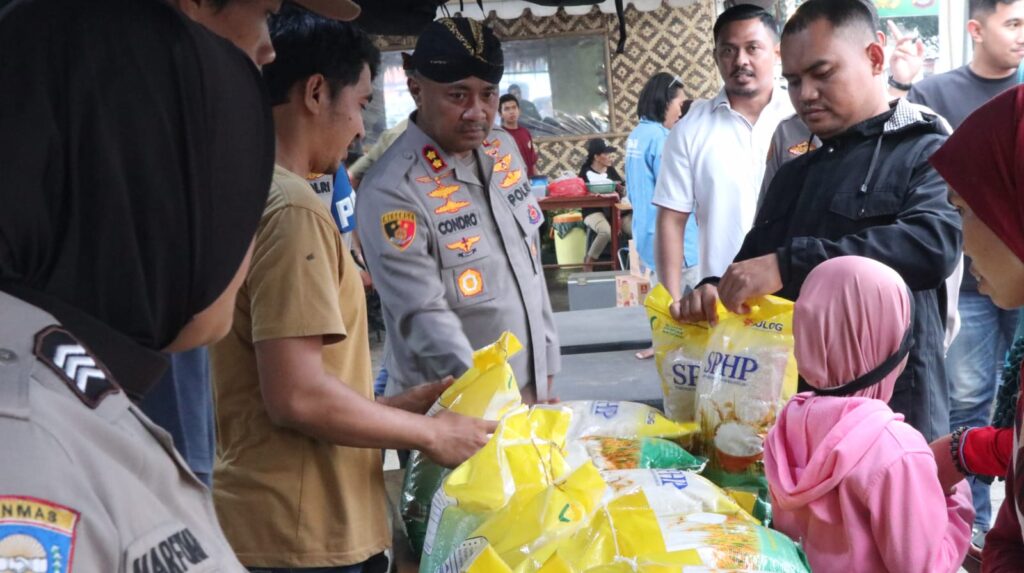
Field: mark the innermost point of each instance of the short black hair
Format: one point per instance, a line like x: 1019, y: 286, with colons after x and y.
x: 838, y: 13
x: 507, y: 98
x: 656, y: 95
x: 308, y: 44
x: 741, y: 12
x: 982, y: 8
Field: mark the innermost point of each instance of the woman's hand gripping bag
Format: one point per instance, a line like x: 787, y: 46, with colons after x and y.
x: 678, y: 355
x: 488, y: 390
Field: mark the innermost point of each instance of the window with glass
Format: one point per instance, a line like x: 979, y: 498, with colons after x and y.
x: 561, y: 82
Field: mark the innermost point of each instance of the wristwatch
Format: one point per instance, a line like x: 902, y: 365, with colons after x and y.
x: 899, y: 85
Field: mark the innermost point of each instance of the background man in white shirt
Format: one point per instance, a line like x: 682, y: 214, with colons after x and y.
x: 715, y: 156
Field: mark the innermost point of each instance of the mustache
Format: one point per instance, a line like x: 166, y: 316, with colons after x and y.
x: 742, y: 72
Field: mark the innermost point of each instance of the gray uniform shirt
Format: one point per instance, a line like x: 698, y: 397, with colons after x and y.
x: 90, y: 487
x: 455, y: 256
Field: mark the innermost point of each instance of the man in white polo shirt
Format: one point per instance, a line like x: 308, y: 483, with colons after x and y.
x: 714, y: 157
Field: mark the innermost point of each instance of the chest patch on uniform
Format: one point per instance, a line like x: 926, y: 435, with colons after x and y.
x: 399, y: 228
x: 465, y: 246
x: 178, y: 552
x: 802, y: 148
x: 512, y: 178
x: 433, y: 157
x: 471, y: 283
x: 443, y: 192
x: 36, y: 536
x: 75, y: 365
x: 502, y: 165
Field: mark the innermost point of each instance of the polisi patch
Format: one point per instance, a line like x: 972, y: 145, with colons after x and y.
x: 399, y: 228
x: 433, y: 157
x: 87, y: 377
x: 36, y: 535
x: 180, y: 551
x: 466, y: 246
x: 470, y: 282
x: 459, y: 223
x: 517, y: 195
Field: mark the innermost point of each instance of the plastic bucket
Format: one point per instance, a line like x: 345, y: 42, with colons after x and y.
x: 572, y: 248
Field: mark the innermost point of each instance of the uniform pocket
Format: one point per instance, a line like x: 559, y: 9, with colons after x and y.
x: 880, y: 202
x: 169, y: 547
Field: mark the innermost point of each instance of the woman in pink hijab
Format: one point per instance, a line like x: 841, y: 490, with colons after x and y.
x: 848, y: 479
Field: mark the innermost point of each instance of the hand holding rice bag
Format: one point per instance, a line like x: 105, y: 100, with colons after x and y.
x: 678, y: 355
x: 488, y: 390
x: 523, y: 456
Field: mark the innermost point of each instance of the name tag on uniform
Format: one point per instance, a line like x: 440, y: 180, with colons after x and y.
x: 172, y: 547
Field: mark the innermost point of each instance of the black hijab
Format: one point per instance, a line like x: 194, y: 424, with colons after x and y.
x: 136, y: 152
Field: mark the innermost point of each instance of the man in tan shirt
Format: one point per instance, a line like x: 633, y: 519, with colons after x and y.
x: 293, y: 485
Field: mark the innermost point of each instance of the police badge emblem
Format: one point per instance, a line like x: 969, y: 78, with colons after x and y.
x: 399, y: 228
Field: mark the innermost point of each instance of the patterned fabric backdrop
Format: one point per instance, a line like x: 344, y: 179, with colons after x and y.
x: 676, y: 40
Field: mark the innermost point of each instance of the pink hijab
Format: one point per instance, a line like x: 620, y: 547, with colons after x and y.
x: 851, y: 315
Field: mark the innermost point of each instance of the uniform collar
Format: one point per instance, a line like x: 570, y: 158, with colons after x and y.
x: 437, y: 162
x: 779, y: 98
x: 135, y: 368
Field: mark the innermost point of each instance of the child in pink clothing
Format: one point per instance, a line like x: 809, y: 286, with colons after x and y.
x: 848, y: 479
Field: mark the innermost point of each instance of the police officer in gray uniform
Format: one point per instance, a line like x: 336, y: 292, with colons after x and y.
x: 137, y: 154
x: 449, y: 227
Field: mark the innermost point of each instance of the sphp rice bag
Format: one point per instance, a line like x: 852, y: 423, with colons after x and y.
x: 678, y: 355
x: 748, y: 373
x: 487, y: 390
x: 524, y: 455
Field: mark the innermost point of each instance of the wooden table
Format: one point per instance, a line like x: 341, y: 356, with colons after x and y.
x: 591, y: 201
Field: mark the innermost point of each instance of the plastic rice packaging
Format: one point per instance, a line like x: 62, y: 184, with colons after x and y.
x: 610, y: 419
x: 523, y: 457
x: 631, y: 454
x: 629, y: 535
x: 488, y: 390
x: 748, y: 374
x: 673, y: 492
x: 678, y: 355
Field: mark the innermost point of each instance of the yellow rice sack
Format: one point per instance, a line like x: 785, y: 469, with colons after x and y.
x: 678, y: 355
x: 488, y: 390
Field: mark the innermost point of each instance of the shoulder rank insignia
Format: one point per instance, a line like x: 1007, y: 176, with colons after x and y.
x: 75, y: 365
x: 36, y: 534
x: 466, y: 245
x: 399, y: 228
x: 433, y: 157
x: 502, y: 165
x: 512, y: 178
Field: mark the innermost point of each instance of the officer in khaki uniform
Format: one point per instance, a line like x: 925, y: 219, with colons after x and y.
x: 124, y: 234
x: 449, y: 226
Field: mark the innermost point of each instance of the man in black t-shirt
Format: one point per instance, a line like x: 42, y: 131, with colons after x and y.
x: 975, y: 359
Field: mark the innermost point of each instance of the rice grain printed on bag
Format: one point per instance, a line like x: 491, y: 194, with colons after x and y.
x: 488, y: 390
x: 631, y: 454
x: 678, y: 355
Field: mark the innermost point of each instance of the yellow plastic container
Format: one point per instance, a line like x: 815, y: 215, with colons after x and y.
x: 572, y: 248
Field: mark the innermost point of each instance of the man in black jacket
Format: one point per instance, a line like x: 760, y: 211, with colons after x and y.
x: 867, y: 191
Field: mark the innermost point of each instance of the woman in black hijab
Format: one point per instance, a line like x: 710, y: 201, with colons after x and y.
x: 136, y: 152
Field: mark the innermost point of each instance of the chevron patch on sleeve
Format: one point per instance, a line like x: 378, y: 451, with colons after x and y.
x: 75, y: 365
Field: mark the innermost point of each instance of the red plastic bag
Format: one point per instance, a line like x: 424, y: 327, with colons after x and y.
x: 570, y: 187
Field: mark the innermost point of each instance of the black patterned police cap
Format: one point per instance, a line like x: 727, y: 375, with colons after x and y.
x: 453, y: 49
